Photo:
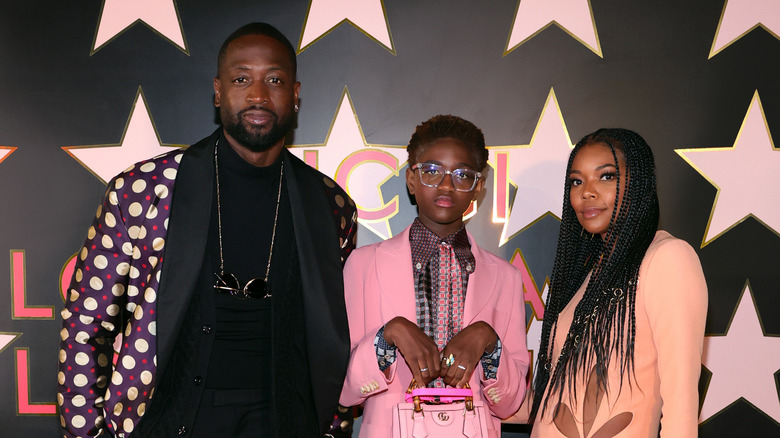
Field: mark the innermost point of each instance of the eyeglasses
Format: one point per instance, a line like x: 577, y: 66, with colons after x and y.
x: 254, y: 288
x: 431, y: 175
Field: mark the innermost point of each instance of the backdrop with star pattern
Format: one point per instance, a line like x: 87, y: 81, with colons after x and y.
x: 90, y: 87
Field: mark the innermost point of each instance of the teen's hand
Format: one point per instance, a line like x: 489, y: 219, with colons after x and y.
x: 419, y: 351
x: 467, y: 347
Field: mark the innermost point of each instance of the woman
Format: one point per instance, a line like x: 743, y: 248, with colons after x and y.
x: 621, y: 343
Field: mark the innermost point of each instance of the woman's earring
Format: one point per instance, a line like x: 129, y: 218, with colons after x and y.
x: 296, y: 107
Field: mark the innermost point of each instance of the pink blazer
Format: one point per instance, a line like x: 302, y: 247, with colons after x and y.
x: 379, y: 285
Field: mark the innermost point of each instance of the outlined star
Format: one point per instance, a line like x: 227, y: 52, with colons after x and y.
x: 726, y: 356
x: 740, y: 17
x: 5, y: 151
x: 162, y: 16
x: 6, y: 338
x: 368, y: 16
x: 537, y: 170
x: 346, y: 156
x: 139, y: 142
x: 744, y: 175
x: 575, y: 17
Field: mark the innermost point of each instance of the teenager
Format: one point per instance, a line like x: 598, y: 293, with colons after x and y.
x: 430, y: 304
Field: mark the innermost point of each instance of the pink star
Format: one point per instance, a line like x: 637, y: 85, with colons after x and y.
x: 161, y: 16
x: 745, y: 344
x: 6, y: 338
x: 367, y: 15
x: 740, y: 17
x: 139, y: 142
x: 5, y: 151
x: 575, y: 17
x: 537, y: 169
x: 745, y: 175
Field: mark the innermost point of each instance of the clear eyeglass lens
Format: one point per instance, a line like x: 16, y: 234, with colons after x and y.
x: 432, y: 175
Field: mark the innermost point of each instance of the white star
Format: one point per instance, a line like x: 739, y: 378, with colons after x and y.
x: 6, y: 338
x: 537, y: 170
x: 5, y: 151
x: 139, y: 142
x: 367, y: 15
x: 536, y: 300
x: 575, y: 17
x: 744, y: 174
x: 162, y: 16
x: 346, y: 157
x: 740, y: 17
x: 744, y: 345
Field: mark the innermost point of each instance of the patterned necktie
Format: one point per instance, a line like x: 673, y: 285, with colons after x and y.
x: 448, y: 300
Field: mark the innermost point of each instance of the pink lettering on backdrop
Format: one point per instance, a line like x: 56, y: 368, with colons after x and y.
x: 471, y: 211
x: 310, y: 158
x: 368, y: 156
x: 65, y: 275
x: 501, y: 187
x: 19, y: 308
x: 23, y: 403
x: 532, y: 296
x: 531, y: 291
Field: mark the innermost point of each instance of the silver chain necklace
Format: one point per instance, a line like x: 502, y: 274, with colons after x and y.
x: 237, y: 291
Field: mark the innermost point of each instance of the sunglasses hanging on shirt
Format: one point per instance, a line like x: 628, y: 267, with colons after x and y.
x: 228, y: 283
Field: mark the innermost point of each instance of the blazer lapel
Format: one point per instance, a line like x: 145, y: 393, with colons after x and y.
x: 325, y: 314
x: 396, y: 279
x: 483, y: 279
x: 186, y: 243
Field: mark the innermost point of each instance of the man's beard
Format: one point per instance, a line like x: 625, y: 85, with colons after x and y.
x: 255, y: 140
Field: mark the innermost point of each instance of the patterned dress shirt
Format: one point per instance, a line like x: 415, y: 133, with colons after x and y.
x: 425, y: 256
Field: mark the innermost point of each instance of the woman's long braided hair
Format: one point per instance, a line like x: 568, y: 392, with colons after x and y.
x: 604, y: 323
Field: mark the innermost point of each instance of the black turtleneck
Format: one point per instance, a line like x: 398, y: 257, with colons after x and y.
x: 248, y: 198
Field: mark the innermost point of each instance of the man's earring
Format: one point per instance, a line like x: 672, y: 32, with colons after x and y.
x: 296, y: 107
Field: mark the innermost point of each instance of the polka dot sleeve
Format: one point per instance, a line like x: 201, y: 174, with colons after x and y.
x: 112, y: 297
x: 345, y: 215
x: 91, y: 318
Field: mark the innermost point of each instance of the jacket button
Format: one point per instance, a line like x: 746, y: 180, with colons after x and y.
x: 182, y: 430
x: 206, y: 329
x: 197, y: 380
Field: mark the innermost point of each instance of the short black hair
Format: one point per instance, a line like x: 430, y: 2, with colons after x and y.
x: 448, y: 126
x: 259, y: 28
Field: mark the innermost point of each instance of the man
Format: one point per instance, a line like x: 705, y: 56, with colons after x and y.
x: 220, y: 266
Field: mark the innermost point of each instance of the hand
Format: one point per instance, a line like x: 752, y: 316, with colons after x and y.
x: 418, y: 349
x: 467, y: 347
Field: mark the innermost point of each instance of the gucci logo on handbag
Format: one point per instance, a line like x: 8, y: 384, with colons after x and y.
x: 443, y: 418
x: 439, y: 413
